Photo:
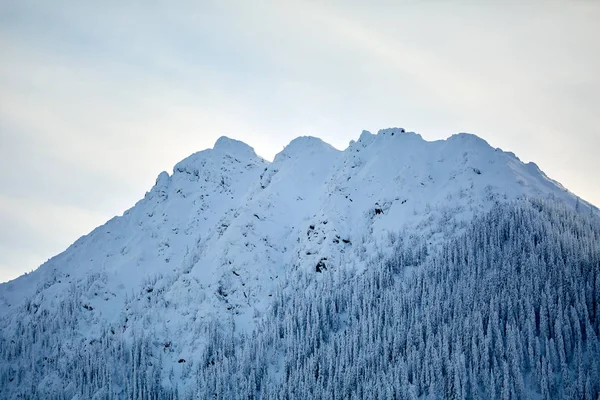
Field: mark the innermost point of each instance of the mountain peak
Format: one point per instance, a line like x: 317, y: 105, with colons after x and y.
x: 469, y: 137
x: 224, y: 146
x: 225, y: 233
x: 233, y: 147
x: 395, y: 131
x: 305, y: 145
x: 231, y: 241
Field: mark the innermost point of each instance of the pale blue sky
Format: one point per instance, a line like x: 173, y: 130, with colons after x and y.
x: 97, y: 98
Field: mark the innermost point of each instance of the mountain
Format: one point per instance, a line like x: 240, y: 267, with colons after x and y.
x: 213, y: 248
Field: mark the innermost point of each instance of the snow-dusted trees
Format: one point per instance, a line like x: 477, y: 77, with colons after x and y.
x: 508, y: 309
x: 44, y: 355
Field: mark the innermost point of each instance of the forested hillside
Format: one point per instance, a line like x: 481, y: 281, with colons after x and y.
x: 509, y: 309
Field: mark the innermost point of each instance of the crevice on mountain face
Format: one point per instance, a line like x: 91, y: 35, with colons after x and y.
x: 218, y: 238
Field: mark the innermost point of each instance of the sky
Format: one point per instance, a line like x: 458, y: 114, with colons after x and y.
x: 97, y: 98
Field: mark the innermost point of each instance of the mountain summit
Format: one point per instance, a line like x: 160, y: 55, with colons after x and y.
x: 215, y: 239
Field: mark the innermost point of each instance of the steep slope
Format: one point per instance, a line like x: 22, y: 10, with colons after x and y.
x: 508, y: 309
x: 214, y: 240
x: 154, y: 237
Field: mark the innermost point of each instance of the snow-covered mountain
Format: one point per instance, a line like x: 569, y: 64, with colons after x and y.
x: 215, y: 239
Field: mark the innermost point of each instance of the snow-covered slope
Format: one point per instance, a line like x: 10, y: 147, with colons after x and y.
x: 214, y: 238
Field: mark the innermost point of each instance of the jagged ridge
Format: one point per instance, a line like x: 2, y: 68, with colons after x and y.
x: 214, y: 238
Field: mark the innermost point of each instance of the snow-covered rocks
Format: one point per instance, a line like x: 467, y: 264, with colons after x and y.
x: 215, y: 238
x: 231, y: 220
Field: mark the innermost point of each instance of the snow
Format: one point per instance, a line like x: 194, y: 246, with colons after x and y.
x: 214, y: 238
